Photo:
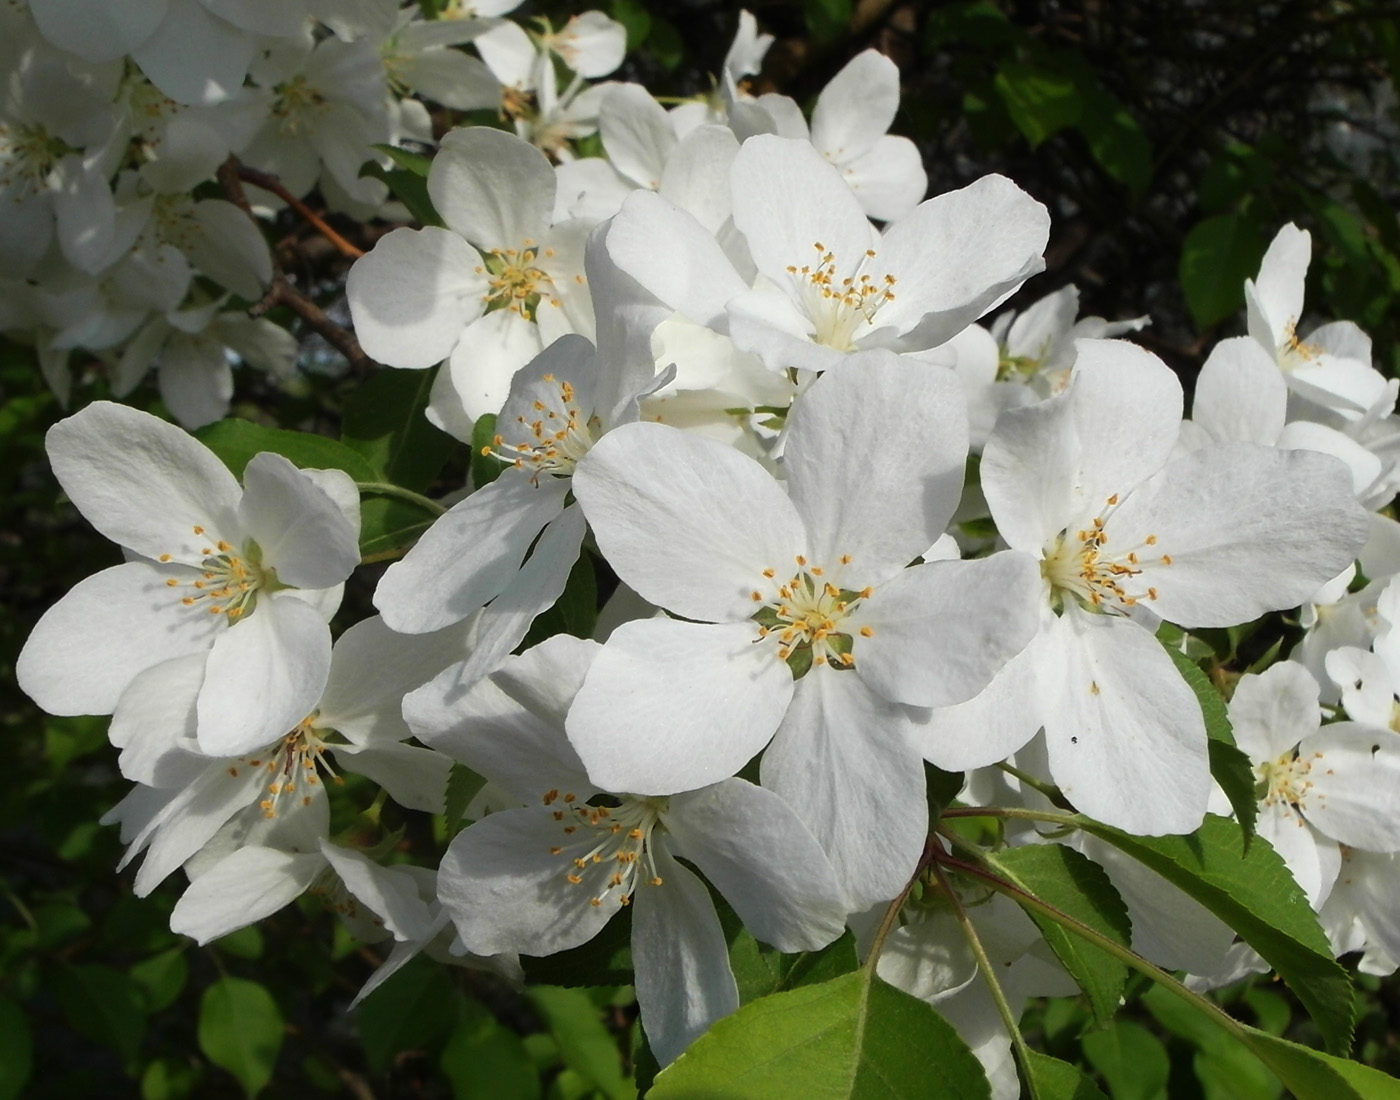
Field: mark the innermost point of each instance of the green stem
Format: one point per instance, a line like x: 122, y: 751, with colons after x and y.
x: 984, y: 966
x: 891, y: 916
x: 384, y: 488
x: 1123, y: 954
x: 1049, y: 790
x: 1052, y: 817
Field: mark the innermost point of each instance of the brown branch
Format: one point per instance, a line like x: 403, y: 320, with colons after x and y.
x: 281, y: 292
x: 272, y: 183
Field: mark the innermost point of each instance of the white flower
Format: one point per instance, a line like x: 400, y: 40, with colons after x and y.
x: 1322, y: 787
x: 804, y: 620
x: 549, y: 875
x: 1331, y: 367
x: 247, y: 576
x: 489, y: 292
x: 1125, y: 533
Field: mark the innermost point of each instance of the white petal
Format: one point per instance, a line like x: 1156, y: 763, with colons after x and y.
x: 88, y: 646
x: 875, y: 457
x: 789, y: 200
x: 241, y: 889
x: 413, y: 294
x: 372, y: 668
x: 143, y: 483
x: 492, y: 188
x: 301, y: 530
x: 95, y: 30
x: 154, y: 723
x: 671, y: 706
x: 1272, y: 712
x: 1240, y: 529
x: 957, y: 255
x: 753, y: 848
x: 843, y: 760
x: 263, y: 677
x: 510, y: 726
x: 990, y: 726
x: 888, y: 179
x: 492, y: 348
x: 507, y: 891
x: 942, y: 630
x: 469, y: 555
x: 1240, y: 394
x: 1355, y: 793
x: 415, y: 778
x: 390, y: 892
x: 675, y: 257
x: 684, y: 983
x: 665, y: 508
x: 1126, y: 738
x: 856, y: 107
x: 1279, y: 288
x: 193, y: 57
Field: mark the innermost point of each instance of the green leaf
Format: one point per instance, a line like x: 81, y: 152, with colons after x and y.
x: 169, y: 1079
x: 1254, y: 893
x: 388, y: 524
x: 407, y: 1012
x: 1076, y: 885
x: 240, y: 1030
x: 1057, y: 1080
x: 1217, y: 256
x: 245, y: 943
x: 1116, y: 140
x: 1311, y: 1075
x: 237, y: 441
x: 760, y: 971
x: 1040, y: 101
x: 162, y: 977
x: 1221, y: 1064
x: 485, y: 1061
x: 942, y: 788
x: 16, y: 1050
x: 104, y: 1004
x: 1130, y: 1059
x: 408, y: 181
x: 584, y: 1043
x: 384, y: 422
x: 826, y: 19
x: 485, y: 469
x: 575, y: 611
x: 633, y: 16
x: 1228, y: 765
x: 462, y: 786
x: 853, y: 1038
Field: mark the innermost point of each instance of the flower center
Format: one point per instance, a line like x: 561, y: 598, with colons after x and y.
x: 229, y: 582
x: 838, y: 305
x: 1286, y: 780
x: 553, y: 441
x: 1293, y: 353
x: 516, y: 283
x: 1079, y: 564
x: 294, y: 766
x: 27, y: 156
x: 297, y: 104
x: 607, y: 845
x: 806, y: 616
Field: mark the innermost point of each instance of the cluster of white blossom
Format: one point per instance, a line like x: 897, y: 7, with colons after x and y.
x: 708, y: 366
x: 113, y: 114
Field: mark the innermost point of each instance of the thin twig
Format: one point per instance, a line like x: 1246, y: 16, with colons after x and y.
x: 231, y: 175
x: 272, y: 183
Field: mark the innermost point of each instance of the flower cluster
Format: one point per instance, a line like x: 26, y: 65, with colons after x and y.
x: 857, y: 534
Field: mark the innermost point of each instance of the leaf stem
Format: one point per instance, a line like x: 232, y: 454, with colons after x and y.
x: 891, y: 916
x: 1123, y: 954
x: 384, y: 488
x: 984, y: 966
